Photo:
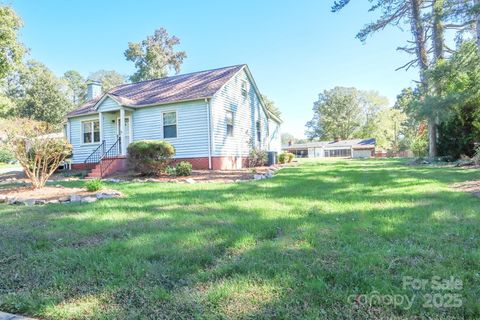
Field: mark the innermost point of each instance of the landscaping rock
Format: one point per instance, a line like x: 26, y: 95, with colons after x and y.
x: 269, y: 174
x: 29, y: 202
x: 190, y: 180
x: 258, y: 176
x: 40, y: 202
x: 75, y: 198
x: 53, y: 201
x: 64, y: 199
x: 113, y: 180
x: 89, y: 199
x: 11, y: 200
x: 3, y: 198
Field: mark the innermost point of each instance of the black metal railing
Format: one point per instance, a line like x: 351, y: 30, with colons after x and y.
x: 95, y: 156
x: 109, y: 157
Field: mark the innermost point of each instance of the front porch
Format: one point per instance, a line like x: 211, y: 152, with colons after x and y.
x: 112, y: 133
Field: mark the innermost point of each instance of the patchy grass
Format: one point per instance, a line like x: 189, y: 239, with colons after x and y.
x: 301, y: 245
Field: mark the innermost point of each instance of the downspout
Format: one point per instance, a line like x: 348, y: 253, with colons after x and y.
x: 209, y: 117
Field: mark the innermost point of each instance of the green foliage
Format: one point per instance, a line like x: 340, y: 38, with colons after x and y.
x: 93, y: 185
x: 184, y: 168
x: 38, y: 152
x: 257, y: 157
x: 6, y: 156
x: 419, y: 145
x: 455, y: 103
x: 171, y: 171
x: 290, y: 157
x: 11, y: 50
x: 40, y: 95
x: 271, y: 107
x: 346, y: 113
x: 150, y: 157
x: 155, y: 56
x: 336, y: 114
x: 109, y: 79
x: 286, y: 157
x: 77, y: 87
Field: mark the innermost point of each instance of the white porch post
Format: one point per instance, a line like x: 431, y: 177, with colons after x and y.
x: 100, y: 125
x: 122, y: 132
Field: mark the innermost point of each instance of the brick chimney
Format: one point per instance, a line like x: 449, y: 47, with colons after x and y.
x: 94, y: 89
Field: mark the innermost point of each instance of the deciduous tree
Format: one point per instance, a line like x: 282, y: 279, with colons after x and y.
x: 108, y: 78
x: 336, y: 114
x: 37, y: 151
x: 11, y: 50
x: 155, y: 56
x: 40, y: 95
x: 76, y: 85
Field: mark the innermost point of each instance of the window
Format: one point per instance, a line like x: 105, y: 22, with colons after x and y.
x: 229, y: 119
x: 91, y: 131
x: 170, y: 125
x: 244, y: 89
x: 259, y: 132
x: 338, y: 153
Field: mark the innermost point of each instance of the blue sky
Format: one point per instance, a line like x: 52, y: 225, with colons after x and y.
x: 295, y: 49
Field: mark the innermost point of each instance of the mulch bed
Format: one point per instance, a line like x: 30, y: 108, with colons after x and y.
x: 203, y: 175
x: 57, y: 194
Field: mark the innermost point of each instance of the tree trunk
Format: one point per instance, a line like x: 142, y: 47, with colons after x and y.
x: 418, y: 32
x: 438, y: 55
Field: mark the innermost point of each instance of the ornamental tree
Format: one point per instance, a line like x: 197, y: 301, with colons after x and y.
x: 38, y: 150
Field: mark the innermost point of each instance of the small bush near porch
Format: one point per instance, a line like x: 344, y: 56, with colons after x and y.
x: 305, y: 244
x: 150, y: 157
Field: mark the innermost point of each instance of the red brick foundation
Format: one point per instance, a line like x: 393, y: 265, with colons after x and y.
x: 201, y: 163
x: 218, y: 163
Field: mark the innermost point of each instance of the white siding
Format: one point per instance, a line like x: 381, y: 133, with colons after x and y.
x: 108, y: 105
x: 274, y: 140
x: 361, y: 153
x: 80, y: 151
x: 192, y: 132
x: 246, y: 111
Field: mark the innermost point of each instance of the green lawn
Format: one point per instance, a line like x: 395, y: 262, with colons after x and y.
x: 295, y: 246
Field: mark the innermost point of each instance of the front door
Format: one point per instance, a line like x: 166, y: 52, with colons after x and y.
x: 126, y: 131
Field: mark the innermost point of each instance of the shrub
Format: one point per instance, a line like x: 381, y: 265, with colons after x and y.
x: 150, y: 157
x: 285, y: 157
x: 94, y: 185
x: 290, y: 157
x: 6, y: 156
x: 37, y: 152
x: 171, y: 171
x: 257, y: 157
x: 419, y: 145
x: 184, y: 168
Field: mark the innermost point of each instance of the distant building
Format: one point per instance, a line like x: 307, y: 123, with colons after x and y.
x: 355, y: 148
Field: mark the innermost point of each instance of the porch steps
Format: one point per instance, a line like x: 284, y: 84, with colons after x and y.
x: 109, y: 166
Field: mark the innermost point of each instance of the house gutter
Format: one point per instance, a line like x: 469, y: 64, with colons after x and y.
x: 209, y: 122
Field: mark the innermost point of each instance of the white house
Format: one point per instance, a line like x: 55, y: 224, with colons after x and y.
x: 354, y: 148
x: 212, y: 118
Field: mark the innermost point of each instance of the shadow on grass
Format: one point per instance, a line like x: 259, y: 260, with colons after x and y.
x: 294, y: 246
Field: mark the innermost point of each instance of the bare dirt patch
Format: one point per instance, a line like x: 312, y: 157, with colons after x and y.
x: 472, y: 187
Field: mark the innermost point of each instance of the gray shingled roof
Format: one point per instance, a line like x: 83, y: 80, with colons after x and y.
x: 355, y: 143
x: 191, y: 86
